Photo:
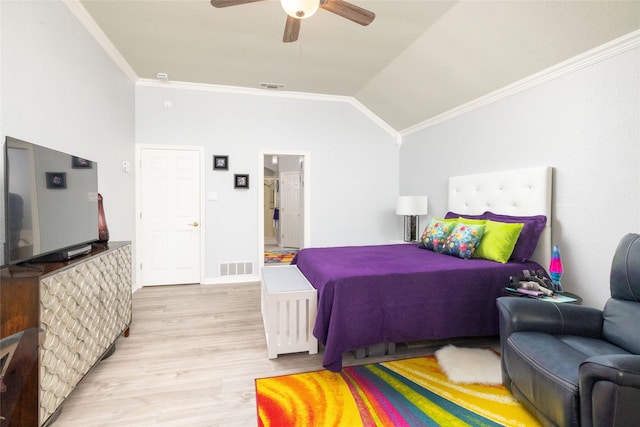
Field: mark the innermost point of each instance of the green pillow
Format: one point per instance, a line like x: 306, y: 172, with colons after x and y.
x: 463, y: 240
x: 498, y: 241
x: 436, y: 233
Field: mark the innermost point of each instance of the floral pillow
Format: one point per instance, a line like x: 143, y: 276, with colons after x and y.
x: 436, y: 234
x: 463, y: 240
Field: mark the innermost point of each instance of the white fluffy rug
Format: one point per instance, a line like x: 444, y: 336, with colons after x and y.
x: 470, y: 365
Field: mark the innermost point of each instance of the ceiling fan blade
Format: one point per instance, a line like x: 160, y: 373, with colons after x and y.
x: 227, y: 3
x: 291, y: 29
x: 350, y: 11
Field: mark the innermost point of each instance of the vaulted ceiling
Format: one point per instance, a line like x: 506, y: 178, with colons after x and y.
x: 416, y: 60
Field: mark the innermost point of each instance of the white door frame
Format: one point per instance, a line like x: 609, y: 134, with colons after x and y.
x: 307, y: 198
x: 201, y: 228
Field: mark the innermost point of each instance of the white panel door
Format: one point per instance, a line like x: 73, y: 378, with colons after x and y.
x: 170, y: 216
x: 290, y: 209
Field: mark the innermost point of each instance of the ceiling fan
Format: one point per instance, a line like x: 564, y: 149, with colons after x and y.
x: 301, y: 9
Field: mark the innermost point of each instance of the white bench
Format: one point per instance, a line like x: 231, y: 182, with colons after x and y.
x: 289, y: 307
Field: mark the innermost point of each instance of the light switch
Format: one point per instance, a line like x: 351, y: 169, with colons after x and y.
x: 212, y: 196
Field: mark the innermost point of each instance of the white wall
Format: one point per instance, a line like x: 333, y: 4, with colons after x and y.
x: 60, y: 89
x: 586, y: 125
x: 354, y: 163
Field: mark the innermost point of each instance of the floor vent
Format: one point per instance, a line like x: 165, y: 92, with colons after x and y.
x: 240, y: 268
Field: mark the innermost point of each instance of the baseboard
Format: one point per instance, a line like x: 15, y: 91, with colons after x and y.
x: 231, y: 280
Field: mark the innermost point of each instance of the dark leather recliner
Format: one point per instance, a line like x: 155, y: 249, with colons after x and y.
x: 572, y: 365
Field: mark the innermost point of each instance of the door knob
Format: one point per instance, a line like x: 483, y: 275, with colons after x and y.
x: 194, y: 224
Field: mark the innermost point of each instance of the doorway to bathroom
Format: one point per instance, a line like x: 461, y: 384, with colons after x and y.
x: 284, y: 206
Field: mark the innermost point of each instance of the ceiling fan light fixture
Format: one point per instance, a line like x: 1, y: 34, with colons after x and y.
x: 300, y: 9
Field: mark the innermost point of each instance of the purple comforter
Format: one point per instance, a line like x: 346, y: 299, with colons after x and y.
x: 399, y: 293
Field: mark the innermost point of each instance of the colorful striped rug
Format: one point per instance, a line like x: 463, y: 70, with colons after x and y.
x: 410, y: 392
x: 279, y: 256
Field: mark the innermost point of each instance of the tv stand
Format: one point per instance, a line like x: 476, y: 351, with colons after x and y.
x: 25, y: 269
x: 86, y: 299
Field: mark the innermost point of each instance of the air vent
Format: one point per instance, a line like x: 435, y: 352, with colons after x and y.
x: 237, y: 268
x: 274, y: 86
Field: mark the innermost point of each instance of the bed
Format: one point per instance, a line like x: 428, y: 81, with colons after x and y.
x: 400, y: 292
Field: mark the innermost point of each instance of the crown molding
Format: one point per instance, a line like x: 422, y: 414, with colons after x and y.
x: 272, y: 93
x: 593, y: 56
x: 79, y: 11
x: 598, y: 54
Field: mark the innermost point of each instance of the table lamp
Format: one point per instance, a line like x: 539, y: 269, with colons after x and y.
x: 556, y: 269
x: 411, y: 207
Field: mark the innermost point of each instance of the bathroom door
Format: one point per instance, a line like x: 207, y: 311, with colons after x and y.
x: 291, y: 209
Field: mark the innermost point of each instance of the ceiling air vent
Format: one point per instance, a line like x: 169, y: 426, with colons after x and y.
x: 275, y: 86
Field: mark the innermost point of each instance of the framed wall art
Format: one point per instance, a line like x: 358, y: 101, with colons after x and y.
x: 56, y: 180
x: 80, y: 163
x: 241, y: 181
x: 221, y: 162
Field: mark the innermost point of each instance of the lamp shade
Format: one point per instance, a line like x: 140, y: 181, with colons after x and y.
x: 412, y: 205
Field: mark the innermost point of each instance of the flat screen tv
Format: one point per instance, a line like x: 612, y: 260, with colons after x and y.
x: 51, y: 203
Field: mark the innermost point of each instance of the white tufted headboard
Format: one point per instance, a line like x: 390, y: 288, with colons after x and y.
x: 516, y: 192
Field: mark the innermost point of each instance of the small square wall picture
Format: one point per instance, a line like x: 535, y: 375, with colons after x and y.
x: 241, y: 181
x: 221, y: 162
x: 80, y: 163
x: 56, y: 180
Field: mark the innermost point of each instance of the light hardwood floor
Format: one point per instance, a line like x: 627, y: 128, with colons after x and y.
x: 191, y: 360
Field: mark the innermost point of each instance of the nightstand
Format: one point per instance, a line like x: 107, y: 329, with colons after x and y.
x: 564, y: 297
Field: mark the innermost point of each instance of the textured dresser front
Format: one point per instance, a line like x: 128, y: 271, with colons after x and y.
x: 83, y: 309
